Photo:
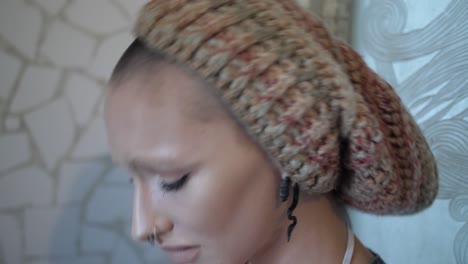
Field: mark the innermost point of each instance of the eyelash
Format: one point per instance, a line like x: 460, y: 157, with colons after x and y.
x: 173, y: 186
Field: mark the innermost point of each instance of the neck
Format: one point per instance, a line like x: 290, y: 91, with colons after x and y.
x: 320, y: 236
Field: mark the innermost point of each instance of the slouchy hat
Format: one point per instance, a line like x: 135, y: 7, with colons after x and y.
x: 307, y: 98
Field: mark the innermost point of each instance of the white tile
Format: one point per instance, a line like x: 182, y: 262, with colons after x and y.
x: 14, y: 150
x: 124, y: 254
x: 96, y: 16
x: 66, y: 46
x: 52, y: 129
x: 133, y: 7
x: 42, y: 261
x: 117, y: 202
x: 36, y: 87
x: 20, y: 25
x: 93, y: 142
x: 86, y: 260
x: 25, y: 187
x: 10, y: 239
x: 109, y: 53
x: 126, y: 227
x: 12, y: 124
x: 72, y: 260
x: 97, y: 240
x: 102, y: 106
x: 51, y: 231
x: 9, y: 69
x: 83, y: 94
x: 76, y: 180
x: 51, y: 6
x: 118, y: 175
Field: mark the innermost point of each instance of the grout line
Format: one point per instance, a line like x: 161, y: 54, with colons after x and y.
x: 36, y: 158
x: 55, y: 95
x: 121, y: 9
x: 4, y: 111
x: 18, y: 167
x: 45, y: 22
x: 12, y: 50
x: 21, y: 220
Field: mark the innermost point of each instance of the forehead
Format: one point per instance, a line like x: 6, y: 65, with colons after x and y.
x: 167, y: 85
x: 149, y: 112
x: 157, y: 84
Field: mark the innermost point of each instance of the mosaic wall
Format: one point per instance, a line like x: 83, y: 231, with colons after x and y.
x: 60, y: 199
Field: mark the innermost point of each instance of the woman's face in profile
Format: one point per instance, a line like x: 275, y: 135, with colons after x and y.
x: 209, y: 193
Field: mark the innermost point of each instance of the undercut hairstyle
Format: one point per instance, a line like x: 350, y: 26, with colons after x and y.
x: 138, y: 58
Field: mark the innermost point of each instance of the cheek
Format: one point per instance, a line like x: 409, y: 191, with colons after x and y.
x: 232, y: 212
x: 210, y: 201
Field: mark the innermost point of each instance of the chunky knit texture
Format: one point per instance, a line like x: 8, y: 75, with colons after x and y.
x: 307, y: 98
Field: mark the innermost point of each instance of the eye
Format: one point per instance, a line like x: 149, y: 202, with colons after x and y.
x: 130, y: 180
x: 175, y: 186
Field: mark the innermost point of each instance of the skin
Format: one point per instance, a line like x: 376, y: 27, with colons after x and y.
x: 160, y: 130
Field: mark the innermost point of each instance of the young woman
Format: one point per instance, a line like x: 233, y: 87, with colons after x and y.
x: 245, y: 126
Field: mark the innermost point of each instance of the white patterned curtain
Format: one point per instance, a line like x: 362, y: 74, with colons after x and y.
x: 421, y: 48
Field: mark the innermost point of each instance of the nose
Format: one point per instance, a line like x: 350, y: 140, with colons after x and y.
x: 147, y: 218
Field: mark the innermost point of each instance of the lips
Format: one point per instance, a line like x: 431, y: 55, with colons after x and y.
x: 182, y: 254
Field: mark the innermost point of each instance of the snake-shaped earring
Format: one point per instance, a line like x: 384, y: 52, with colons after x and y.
x: 284, y: 195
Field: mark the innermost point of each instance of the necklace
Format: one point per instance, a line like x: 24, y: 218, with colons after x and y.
x: 349, y: 248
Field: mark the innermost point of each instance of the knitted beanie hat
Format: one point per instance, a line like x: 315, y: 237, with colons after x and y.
x: 307, y: 98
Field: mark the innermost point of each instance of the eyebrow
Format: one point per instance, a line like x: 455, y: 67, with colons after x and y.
x: 159, y: 165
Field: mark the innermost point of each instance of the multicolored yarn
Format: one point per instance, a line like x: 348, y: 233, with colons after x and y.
x: 306, y: 97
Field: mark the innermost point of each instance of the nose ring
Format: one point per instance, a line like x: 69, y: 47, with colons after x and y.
x: 152, y: 237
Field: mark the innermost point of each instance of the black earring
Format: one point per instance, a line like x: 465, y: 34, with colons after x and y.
x: 291, y: 209
x: 284, y: 189
x: 284, y: 194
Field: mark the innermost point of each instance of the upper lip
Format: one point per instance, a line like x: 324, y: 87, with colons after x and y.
x: 178, y: 248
